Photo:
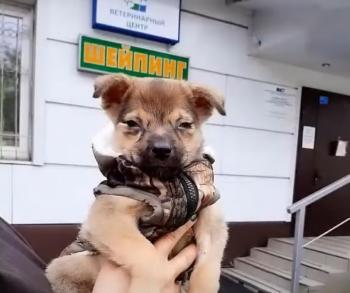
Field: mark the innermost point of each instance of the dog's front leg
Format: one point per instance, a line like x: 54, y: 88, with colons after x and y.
x: 112, y: 229
x: 211, y: 236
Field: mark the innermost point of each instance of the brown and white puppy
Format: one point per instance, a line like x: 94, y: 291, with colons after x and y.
x: 157, y: 126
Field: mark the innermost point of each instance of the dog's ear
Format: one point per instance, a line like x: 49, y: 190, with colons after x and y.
x: 112, y: 89
x: 205, y: 100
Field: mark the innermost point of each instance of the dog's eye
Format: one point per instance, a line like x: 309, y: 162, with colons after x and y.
x: 186, y: 125
x: 131, y: 123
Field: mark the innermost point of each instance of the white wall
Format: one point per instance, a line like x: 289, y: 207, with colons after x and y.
x: 255, y: 157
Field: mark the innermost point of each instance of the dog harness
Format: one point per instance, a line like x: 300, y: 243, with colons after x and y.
x: 171, y: 202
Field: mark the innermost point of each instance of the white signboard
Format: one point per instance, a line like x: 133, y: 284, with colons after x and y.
x: 157, y: 20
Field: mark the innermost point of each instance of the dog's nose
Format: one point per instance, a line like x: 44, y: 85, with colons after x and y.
x: 161, y: 150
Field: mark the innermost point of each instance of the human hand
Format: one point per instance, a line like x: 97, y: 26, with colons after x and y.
x: 180, y: 263
x: 118, y: 280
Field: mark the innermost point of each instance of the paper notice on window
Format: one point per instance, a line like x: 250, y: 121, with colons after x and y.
x: 308, y: 137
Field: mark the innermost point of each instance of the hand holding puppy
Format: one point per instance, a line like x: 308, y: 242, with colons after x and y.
x: 117, y: 280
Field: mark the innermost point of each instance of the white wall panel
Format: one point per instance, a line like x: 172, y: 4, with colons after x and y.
x: 68, y: 85
x: 76, y: 11
x: 69, y: 132
x: 213, y: 80
x: 213, y: 139
x: 52, y: 194
x: 209, y: 44
x: 251, y: 152
x: 249, y: 105
x: 253, y: 199
x: 6, y: 192
x: 240, y: 151
x: 40, y: 80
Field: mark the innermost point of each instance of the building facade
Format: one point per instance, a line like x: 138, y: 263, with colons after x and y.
x: 47, y: 170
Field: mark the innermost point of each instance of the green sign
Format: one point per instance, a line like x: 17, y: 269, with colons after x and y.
x: 109, y: 57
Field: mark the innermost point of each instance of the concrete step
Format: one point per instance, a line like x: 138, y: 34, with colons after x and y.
x: 323, y: 246
x: 251, y: 282
x: 273, y: 275
x: 318, y: 272
x: 342, y: 244
x: 344, y: 238
x: 328, y: 245
x: 323, y: 254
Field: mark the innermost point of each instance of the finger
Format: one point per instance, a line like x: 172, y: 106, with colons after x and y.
x: 166, y: 243
x: 183, y: 260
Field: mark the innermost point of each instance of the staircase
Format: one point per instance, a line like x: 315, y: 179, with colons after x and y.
x: 268, y: 269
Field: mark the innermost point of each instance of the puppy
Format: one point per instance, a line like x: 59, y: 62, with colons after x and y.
x: 156, y: 126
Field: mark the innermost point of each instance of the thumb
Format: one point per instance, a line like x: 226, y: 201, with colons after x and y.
x: 166, y: 243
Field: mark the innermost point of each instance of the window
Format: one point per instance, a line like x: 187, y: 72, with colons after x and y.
x: 16, y: 25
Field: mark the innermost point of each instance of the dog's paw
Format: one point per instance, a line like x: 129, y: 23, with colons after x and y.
x: 204, y: 280
x: 74, y: 273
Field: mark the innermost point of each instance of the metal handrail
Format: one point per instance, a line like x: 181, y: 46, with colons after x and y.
x: 299, y: 209
x: 317, y: 195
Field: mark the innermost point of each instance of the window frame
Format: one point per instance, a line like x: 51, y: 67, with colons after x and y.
x: 10, y: 153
